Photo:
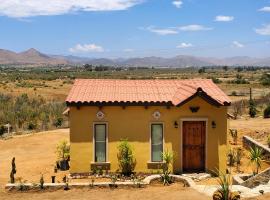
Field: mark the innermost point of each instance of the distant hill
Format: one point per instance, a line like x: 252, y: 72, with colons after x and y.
x: 34, y: 57
x: 31, y: 56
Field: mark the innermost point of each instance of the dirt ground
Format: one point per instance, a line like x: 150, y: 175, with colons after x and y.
x: 174, y: 191
x: 35, y: 155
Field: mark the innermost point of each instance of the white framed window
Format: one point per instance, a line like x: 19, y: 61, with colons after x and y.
x: 100, y: 142
x: 157, y: 139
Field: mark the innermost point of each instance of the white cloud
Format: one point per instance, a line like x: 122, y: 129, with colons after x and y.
x: 177, y: 4
x: 79, y: 48
x: 29, y: 8
x: 265, y: 30
x: 265, y: 9
x: 184, y: 45
x: 237, y: 44
x: 194, y: 27
x: 223, y: 18
x: 128, y: 50
x: 164, y: 31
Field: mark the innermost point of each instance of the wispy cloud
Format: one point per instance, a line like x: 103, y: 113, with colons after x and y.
x: 223, y: 18
x: 265, y: 30
x: 194, y: 27
x: 128, y: 50
x: 184, y: 45
x: 265, y: 9
x: 84, y: 48
x: 162, y: 31
x: 176, y: 30
x: 177, y: 4
x: 237, y: 44
x: 30, y: 8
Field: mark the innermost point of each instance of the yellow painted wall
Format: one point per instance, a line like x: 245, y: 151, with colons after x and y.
x: 133, y: 123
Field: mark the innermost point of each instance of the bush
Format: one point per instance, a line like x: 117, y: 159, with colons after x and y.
x: 266, y: 112
x: 126, y: 159
x: 58, y: 122
x: 216, y: 80
x: 63, y: 150
x: 252, y: 109
x: 2, y: 130
x: 32, y: 126
x: 265, y: 79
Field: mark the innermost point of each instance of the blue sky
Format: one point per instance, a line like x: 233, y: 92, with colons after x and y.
x: 130, y: 28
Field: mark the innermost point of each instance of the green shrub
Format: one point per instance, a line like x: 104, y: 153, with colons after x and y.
x: 63, y: 150
x: 252, y: 109
x: 266, y: 112
x: 126, y: 159
x: 255, y: 155
x: 168, y: 157
x: 265, y: 79
x: 58, y: 122
x: 32, y: 126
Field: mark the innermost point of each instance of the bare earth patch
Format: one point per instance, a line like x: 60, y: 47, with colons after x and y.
x: 34, y: 153
x: 174, y: 191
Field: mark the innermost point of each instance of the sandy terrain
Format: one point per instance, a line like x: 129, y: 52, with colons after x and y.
x: 35, y: 155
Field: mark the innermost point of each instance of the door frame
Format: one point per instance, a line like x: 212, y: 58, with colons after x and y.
x: 191, y: 119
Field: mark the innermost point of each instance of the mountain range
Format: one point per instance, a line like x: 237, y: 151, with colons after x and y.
x: 34, y: 57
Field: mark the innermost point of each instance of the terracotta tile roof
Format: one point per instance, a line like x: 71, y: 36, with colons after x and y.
x: 174, y: 92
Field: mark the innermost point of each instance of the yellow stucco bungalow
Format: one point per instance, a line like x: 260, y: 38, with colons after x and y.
x: 188, y: 117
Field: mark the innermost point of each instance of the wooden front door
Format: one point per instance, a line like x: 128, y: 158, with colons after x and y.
x: 194, y: 146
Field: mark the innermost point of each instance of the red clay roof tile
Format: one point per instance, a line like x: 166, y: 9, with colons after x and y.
x: 168, y: 91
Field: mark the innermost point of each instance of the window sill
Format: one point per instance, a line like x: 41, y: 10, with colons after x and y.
x: 100, y: 165
x: 155, y: 165
x: 160, y: 162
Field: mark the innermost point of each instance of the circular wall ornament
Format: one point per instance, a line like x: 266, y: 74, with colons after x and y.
x: 100, y: 115
x: 156, y: 115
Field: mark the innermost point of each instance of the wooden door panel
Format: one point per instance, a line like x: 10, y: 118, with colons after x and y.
x: 193, y: 145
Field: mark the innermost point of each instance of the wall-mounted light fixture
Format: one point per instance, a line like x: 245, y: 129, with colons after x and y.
x: 194, y: 109
x: 214, y: 125
x: 175, y: 124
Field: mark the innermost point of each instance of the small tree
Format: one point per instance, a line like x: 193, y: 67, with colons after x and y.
x: 255, y: 155
x: 126, y: 159
x: 63, y: 150
x: 63, y: 154
x: 13, y: 171
x: 168, y: 157
x: 252, y: 106
x: 238, y: 157
x: 252, y: 109
x: 41, y: 182
x: 234, y: 135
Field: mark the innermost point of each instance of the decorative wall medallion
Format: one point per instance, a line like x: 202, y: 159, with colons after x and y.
x: 156, y: 115
x: 100, y: 115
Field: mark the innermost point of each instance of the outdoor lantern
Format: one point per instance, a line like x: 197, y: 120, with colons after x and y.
x: 214, y: 125
x: 175, y: 124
